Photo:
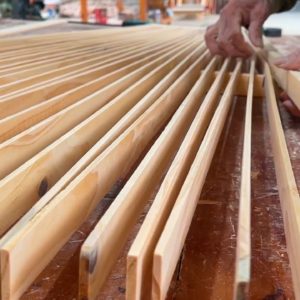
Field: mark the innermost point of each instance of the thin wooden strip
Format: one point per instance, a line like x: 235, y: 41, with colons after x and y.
x: 65, y: 45
x: 107, y: 139
x: 73, y: 205
x: 287, y: 187
x: 139, y: 260
x: 51, y: 164
x: 14, y: 85
x: 41, y: 65
x: 63, y: 63
x: 47, y: 91
x: 19, y: 122
x: 120, y: 54
x: 103, y: 246
x: 28, y: 27
x: 27, y: 41
x: 63, y: 48
x: 243, y: 249
x: 83, y: 63
x: 169, y: 247
x: 13, y: 63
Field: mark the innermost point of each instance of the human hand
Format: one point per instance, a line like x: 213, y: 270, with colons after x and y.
x: 225, y: 37
x: 289, y: 104
x: 289, y: 62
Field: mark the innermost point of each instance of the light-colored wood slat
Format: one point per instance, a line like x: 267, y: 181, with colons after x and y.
x: 73, y: 37
x: 103, y: 143
x: 243, y: 83
x: 287, y: 187
x: 29, y: 27
x: 65, y: 46
x: 83, y: 63
x: 19, y: 122
x: 61, y: 51
x: 28, y: 143
x: 22, y: 42
x: 169, y: 247
x: 115, y: 57
x: 56, y: 159
x: 63, y: 63
x: 97, y: 257
x: 13, y: 85
x: 72, y: 206
x: 47, y: 91
x: 139, y: 260
x: 243, y: 249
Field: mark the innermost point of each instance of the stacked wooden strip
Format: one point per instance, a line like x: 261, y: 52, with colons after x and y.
x: 78, y: 111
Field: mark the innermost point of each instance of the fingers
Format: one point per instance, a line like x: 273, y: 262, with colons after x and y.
x: 284, y: 96
x: 292, y: 108
x: 255, y: 33
x: 234, y: 45
x: 257, y: 18
x: 211, y: 36
x: 289, y: 62
x: 226, y: 39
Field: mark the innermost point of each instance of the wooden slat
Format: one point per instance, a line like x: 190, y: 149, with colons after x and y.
x: 103, y: 143
x: 29, y: 60
x: 23, y: 120
x: 32, y: 140
x: 118, y: 221
x: 28, y: 27
x: 72, y: 206
x: 118, y: 56
x: 287, y: 187
x: 243, y: 251
x: 57, y: 87
x: 139, y: 261
x: 56, y: 159
x: 169, y: 247
x: 64, y: 64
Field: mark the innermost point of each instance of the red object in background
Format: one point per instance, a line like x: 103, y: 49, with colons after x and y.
x: 101, y: 15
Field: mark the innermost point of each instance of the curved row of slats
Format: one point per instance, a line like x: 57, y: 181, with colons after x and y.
x: 149, y: 98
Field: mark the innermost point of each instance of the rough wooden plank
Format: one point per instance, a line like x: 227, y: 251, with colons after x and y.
x: 243, y: 251
x: 117, y: 223
x: 169, y: 247
x: 139, y: 261
x: 288, y: 192
x: 77, y: 200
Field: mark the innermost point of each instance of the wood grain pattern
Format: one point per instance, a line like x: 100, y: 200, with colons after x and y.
x: 79, y: 198
x: 171, y: 241
x: 243, y: 248
x: 115, y: 226
x: 287, y: 187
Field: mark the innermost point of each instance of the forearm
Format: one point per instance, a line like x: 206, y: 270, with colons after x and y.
x: 281, y: 5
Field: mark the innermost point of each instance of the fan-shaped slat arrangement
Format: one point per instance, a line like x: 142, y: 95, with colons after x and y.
x: 79, y: 110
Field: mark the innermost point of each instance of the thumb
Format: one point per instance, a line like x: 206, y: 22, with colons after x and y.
x: 255, y: 33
